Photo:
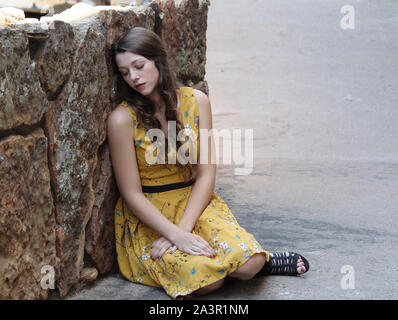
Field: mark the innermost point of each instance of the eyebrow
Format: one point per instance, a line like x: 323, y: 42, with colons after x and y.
x: 130, y: 63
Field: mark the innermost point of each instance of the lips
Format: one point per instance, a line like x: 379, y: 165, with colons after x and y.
x: 139, y: 86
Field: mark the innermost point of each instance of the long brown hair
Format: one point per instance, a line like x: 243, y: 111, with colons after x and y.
x: 148, y: 44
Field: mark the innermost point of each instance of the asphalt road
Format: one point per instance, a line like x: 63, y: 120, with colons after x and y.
x: 322, y: 102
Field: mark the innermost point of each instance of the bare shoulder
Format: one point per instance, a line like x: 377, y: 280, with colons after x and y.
x: 119, y: 117
x: 120, y: 122
x: 203, y: 101
x: 200, y: 95
x: 204, y: 109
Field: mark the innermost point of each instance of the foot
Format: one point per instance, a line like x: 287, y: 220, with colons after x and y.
x: 300, y: 266
x: 285, y: 263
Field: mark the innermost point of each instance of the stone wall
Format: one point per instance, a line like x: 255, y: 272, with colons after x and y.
x: 57, y: 87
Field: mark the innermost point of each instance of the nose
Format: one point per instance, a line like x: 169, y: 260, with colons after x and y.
x: 133, y: 76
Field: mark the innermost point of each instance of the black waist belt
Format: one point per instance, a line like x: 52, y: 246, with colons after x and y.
x: 167, y: 187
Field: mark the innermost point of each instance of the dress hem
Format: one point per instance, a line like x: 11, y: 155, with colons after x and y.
x: 223, y: 276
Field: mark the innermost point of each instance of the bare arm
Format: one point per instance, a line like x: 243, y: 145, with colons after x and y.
x: 120, y: 131
x: 121, y: 142
x: 203, y: 188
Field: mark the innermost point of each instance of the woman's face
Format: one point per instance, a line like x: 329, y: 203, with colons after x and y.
x: 140, y: 73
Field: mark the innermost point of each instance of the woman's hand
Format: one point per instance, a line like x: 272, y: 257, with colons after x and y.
x: 159, y: 246
x: 185, y: 241
x: 193, y: 244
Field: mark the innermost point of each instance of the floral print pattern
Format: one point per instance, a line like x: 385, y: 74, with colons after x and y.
x: 178, y: 273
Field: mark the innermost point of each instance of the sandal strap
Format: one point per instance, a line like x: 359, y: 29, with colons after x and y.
x: 281, y: 263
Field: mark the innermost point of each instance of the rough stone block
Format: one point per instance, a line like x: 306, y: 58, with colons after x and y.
x: 27, y: 221
x: 183, y: 30
x: 100, y: 233
x: 22, y: 100
x: 78, y: 117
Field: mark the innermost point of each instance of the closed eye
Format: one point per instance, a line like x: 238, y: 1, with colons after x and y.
x: 139, y: 68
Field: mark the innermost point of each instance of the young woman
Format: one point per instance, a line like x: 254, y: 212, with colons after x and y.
x: 172, y: 230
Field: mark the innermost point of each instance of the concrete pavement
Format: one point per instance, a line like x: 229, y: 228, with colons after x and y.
x: 322, y: 103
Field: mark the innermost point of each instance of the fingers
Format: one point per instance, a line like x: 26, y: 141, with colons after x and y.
x: 205, y: 247
x: 188, y: 242
x: 205, y: 250
x: 195, y: 245
x: 199, y: 246
x: 173, y: 249
x: 196, y: 251
x: 159, y: 247
x: 163, y: 249
x: 158, y: 252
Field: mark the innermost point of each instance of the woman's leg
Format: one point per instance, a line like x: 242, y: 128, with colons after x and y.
x: 245, y: 272
x: 250, y: 268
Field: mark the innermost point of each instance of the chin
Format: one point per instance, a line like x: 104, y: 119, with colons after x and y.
x: 147, y: 92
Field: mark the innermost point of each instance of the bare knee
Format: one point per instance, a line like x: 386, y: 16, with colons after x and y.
x: 210, y: 288
x: 250, y: 268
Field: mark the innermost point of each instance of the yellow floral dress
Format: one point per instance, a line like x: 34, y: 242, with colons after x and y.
x: 178, y: 273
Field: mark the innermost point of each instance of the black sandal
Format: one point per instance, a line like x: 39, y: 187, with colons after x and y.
x: 283, y: 263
